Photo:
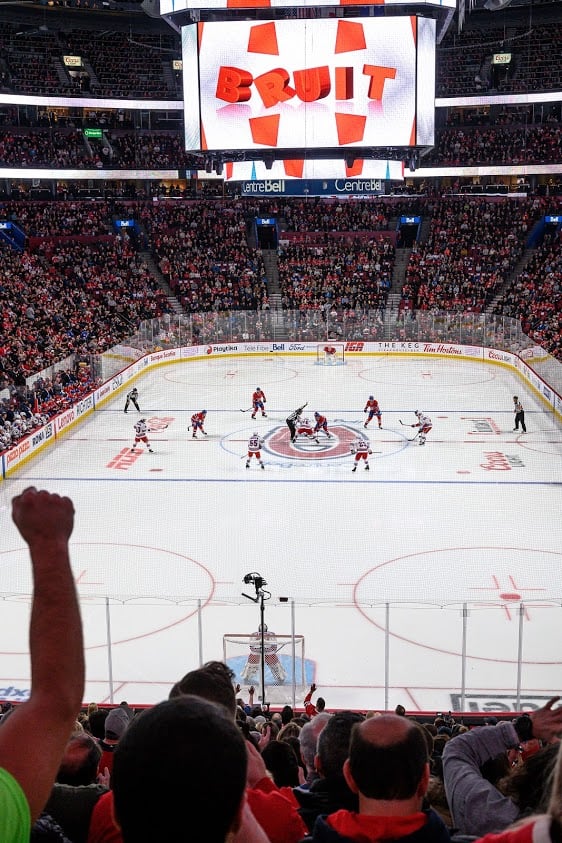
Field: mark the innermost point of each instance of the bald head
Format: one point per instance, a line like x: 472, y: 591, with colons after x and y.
x: 388, y: 758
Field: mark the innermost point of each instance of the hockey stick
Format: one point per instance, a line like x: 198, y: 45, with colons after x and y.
x: 247, y: 411
x: 414, y: 437
x: 404, y: 424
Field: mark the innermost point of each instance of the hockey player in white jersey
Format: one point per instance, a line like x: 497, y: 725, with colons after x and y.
x: 424, y: 424
x: 255, y: 444
x: 141, y: 435
x: 361, y: 448
x: 271, y: 657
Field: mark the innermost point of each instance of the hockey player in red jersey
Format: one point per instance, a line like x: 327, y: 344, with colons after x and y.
x: 330, y: 352
x: 304, y: 428
x: 424, y: 423
x: 251, y: 668
x: 321, y: 424
x: 361, y: 448
x: 255, y: 444
x: 197, y: 422
x: 258, y: 403
x: 141, y: 431
x: 372, y: 407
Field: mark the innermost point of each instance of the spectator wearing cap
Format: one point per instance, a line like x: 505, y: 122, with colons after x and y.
x: 116, y: 724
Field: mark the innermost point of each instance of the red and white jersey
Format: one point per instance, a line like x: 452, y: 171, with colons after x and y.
x: 373, y: 406
x: 304, y: 427
x: 141, y: 428
x: 360, y: 445
x: 258, y: 397
x: 198, y: 418
x: 329, y: 349
x: 424, y: 421
x: 269, y: 642
x: 255, y: 443
x: 320, y: 421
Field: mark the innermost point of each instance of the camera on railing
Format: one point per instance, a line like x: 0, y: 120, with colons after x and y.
x: 256, y: 579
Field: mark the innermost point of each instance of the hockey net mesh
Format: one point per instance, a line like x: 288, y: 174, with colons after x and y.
x: 330, y: 353
x: 284, y: 657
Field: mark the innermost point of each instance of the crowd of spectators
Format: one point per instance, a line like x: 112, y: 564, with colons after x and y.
x: 203, y: 252
x: 464, y: 63
x: 535, y: 296
x: 471, y: 248
x: 497, y: 145
x: 346, y: 275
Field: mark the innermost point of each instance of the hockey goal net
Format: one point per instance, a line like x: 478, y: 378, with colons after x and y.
x: 284, y: 659
x: 330, y: 353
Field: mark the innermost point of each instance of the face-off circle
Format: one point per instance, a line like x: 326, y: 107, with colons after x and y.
x: 278, y: 443
x: 498, y: 585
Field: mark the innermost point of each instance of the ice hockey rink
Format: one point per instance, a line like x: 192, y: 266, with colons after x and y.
x: 390, y: 576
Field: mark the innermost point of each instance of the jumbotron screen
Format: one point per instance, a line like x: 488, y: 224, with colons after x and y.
x: 311, y: 84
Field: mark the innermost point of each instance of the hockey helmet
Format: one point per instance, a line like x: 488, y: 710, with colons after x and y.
x: 262, y: 626
x: 203, y: 412
x: 258, y: 388
x: 371, y: 397
x: 255, y: 433
x: 316, y: 414
x: 417, y: 412
x: 143, y: 420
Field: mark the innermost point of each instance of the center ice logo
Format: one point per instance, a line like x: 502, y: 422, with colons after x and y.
x: 278, y: 443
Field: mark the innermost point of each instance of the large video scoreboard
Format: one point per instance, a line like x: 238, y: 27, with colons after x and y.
x: 309, y: 84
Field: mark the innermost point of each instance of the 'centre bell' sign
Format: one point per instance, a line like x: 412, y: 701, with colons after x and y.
x: 359, y: 186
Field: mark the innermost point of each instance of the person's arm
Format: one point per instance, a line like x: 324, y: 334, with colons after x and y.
x: 477, y: 806
x: 33, y: 738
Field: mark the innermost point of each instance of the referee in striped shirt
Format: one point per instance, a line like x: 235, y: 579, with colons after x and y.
x: 292, y: 421
x: 519, y: 414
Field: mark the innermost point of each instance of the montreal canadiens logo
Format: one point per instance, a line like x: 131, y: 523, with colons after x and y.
x: 278, y: 442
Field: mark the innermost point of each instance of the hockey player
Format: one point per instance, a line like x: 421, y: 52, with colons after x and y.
x: 330, y: 352
x: 293, y: 420
x: 141, y: 435
x: 197, y: 422
x: 255, y: 444
x: 304, y: 428
x: 251, y: 668
x: 132, y: 397
x: 258, y: 403
x: 424, y: 423
x: 321, y: 424
x: 361, y: 448
x: 372, y: 407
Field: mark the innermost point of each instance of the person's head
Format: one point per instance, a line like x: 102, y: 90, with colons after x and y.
x: 320, y: 704
x: 96, y: 723
x: 281, y: 761
x: 308, y: 739
x: 289, y: 730
x: 530, y: 783
x: 388, y: 762
x: 169, y: 767
x: 287, y: 714
x: 333, y: 743
x: 212, y: 682
x: 79, y: 764
x: 116, y: 724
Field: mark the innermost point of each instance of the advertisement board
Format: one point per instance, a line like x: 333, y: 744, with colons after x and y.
x: 309, y: 84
